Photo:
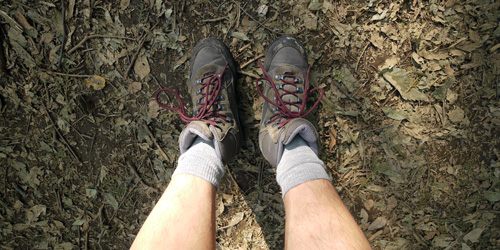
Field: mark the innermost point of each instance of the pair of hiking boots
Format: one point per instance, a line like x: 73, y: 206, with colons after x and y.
x: 212, y: 76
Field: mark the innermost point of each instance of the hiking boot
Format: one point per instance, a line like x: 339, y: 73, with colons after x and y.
x: 212, y: 75
x: 285, y: 91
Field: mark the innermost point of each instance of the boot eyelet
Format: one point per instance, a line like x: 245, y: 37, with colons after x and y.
x: 198, y: 81
x: 297, y: 80
x: 299, y: 90
x: 229, y: 119
x: 298, y: 99
x: 221, y: 97
x: 198, y: 91
x: 277, y: 77
x: 223, y: 108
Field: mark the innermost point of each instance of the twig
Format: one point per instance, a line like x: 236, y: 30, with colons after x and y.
x: 249, y: 74
x: 11, y: 21
x: 346, y: 94
x: 3, y: 60
x: 61, y: 52
x: 214, y: 19
x: 264, y: 26
x: 259, y: 180
x: 80, y: 44
x: 65, y: 142
x: 497, y: 89
x: 361, y: 55
x: 68, y: 75
x: 244, y: 47
x: 140, y: 178
x: 155, y: 142
x: 134, y: 58
x: 251, y: 61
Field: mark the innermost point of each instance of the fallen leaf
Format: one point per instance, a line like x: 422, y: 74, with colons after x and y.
x: 240, y: 36
x: 124, y: 4
x: 96, y: 82
x: 401, y: 80
x: 492, y: 196
x: 395, y: 114
x: 134, y: 87
x: 141, y: 67
x: 154, y: 109
x: 378, y: 223
x: 457, y: 115
x: 236, y: 219
x: 474, y: 235
x: 111, y: 200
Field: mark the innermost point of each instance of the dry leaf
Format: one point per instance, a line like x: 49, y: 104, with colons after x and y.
x: 141, y: 67
x: 154, y: 109
x: 134, y: 87
x: 474, y: 235
x: 124, y: 4
x: 236, y: 219
x: 96, y: 82
x: 378, y: 223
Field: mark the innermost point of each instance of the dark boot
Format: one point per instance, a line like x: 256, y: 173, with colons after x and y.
x: 212, y: 75
x: 285, y: 92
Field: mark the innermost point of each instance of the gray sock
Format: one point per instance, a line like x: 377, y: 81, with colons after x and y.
x: 299, y: 164
x: 202, y: 161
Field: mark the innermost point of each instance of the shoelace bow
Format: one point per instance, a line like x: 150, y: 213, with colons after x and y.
x: 208, y: 112
x: 284, y: 114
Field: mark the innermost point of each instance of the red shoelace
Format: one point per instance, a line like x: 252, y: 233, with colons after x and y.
x: 209, y: 111
x: 284, y: 114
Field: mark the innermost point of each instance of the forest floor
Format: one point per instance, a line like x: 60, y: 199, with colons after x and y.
x: 409, y: 125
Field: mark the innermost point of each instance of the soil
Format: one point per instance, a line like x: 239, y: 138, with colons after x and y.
x: 409, y: 125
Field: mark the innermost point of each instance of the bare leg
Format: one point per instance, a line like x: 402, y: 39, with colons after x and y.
x: 316, y: 218
x: 183, y: 218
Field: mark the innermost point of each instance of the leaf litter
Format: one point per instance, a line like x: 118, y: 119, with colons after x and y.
x: 410, y: 137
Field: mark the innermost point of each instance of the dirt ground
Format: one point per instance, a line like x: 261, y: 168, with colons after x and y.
x: 409, y: 125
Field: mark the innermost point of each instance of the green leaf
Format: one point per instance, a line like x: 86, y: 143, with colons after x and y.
x: 492, y: 196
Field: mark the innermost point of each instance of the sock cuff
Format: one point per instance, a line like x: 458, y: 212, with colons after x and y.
x: 299, y: 164
x: 200, y: 160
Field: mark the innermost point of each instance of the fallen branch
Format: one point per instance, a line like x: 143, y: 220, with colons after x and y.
x: 264, y: 26
x: 249, y: 74
x: 134, y: 171
x: 65, y: 142
x: 61, y: 52
x: 346, y: 94
x: 80, y: 44
x: 68, y: 75
x: 214, y: 19
x: 361, y: 55
x: 156, y: 143
x: 132, y: 62
x: 251, y: 61
x: 3, y: 60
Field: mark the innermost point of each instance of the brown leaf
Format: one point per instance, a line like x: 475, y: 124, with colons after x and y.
x: 141, y: 67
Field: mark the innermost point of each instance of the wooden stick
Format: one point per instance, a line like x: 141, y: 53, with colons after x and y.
x: 65, y: 142
x: 360, y: 56
x: 156, y: 143
x: 140, y: 178
x: 132, y: 62
x: 346, y: 94
x: 80, y: 44
x: 251, y: 61
x: 249, y: 74
x: 68, y: 75
x: 214, y: 19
